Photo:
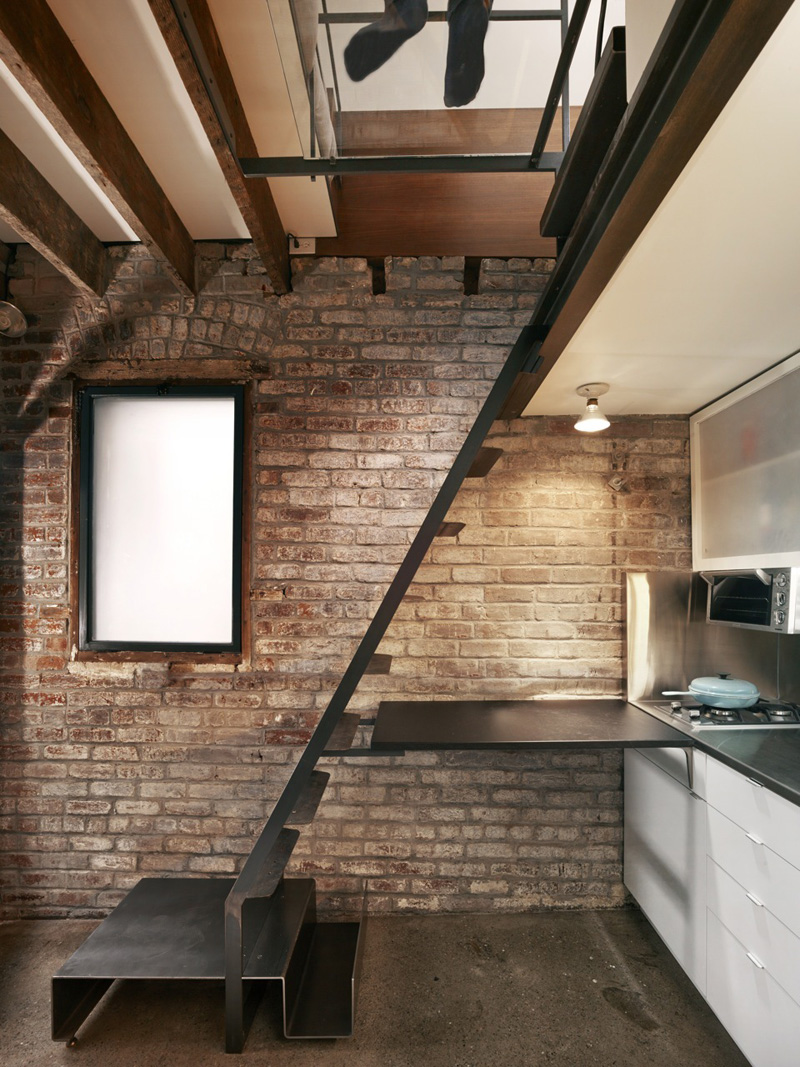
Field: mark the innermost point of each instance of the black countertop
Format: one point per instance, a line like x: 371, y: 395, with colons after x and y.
x: 770, y: 756
x: 462, y: 724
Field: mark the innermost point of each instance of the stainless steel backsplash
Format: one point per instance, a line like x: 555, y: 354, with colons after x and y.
x: 670, y: 642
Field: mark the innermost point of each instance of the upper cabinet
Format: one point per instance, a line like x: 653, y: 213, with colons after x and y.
x: 745, y: 456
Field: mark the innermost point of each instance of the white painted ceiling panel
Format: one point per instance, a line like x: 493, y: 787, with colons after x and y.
x: 122, y: 47
x: 36, y: 138
x: 247, y: 35
x: 707, y: 297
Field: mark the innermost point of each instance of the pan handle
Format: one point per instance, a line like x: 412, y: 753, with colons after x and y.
x: 673, y: 693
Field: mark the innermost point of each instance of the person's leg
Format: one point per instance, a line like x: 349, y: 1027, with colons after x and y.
x: 372, y: 45
x: 468, y: 21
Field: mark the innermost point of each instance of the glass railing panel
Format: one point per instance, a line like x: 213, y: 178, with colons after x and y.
x: 409, y: 77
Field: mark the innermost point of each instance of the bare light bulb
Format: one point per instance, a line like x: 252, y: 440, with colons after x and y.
x: 593, y: 418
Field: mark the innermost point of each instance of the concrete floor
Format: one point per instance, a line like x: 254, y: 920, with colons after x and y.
x: 578, y: 989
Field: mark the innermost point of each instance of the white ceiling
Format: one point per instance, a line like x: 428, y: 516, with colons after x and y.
x: 707, y: 297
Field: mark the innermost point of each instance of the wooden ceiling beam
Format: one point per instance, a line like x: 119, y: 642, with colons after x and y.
x: 37, y: 50
x: 32, y: 207
x: 253, y: 197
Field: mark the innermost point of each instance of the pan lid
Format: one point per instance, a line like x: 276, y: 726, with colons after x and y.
x: 723, y: 686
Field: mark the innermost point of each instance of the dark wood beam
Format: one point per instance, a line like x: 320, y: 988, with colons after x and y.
x: 682, y: 93
x: 33, y: 208
x: 439, y: 215
x: 41, y: 56
x: 253, y: 197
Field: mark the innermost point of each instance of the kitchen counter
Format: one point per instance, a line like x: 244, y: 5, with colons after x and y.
x: 468, y: 724
x: 770, y: 755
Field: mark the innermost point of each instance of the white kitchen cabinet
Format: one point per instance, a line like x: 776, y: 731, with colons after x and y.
x: 753, y: 926
x: 745, y: 457
x: 756, y: 1011
x: 665, y: 849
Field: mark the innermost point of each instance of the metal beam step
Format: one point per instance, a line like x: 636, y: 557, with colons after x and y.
x: 270, y: 871
x: 450, y: 529
x: 381, y: 663
x: 341, y: 740
x: 484, y: 461
x: 309, y: 800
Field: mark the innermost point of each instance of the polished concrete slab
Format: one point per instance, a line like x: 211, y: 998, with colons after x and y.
x: 562, y: 989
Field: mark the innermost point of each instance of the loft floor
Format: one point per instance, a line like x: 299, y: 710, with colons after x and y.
x: 564, y: 989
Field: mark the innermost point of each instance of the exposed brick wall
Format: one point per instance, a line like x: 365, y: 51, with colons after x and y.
x: 116, y: 770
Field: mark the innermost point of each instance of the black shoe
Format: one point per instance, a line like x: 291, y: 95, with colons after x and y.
x: 468, y: 21
x: 374, y: 44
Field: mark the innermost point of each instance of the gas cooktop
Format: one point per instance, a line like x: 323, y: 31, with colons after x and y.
x: 765, y: 713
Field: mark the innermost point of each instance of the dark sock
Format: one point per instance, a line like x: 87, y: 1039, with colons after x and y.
x: 372, y: 45
x: 468, y: 21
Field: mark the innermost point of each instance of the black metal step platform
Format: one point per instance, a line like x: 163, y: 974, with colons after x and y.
x: 174, y: 928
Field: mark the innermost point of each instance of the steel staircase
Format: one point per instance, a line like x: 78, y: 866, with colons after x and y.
x: 262, y: 926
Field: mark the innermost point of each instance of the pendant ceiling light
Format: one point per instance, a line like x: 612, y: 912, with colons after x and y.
x: 592, y: 418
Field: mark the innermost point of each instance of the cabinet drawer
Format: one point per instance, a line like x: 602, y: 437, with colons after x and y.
x: 756, y: 868
x: 774, y: 820
x: 676, y: 762
x: 759, y: 1015
x: 755, y: 927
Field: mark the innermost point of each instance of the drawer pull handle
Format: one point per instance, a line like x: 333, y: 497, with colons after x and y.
x: 755, y: 960
x: 753, y: 838
x: 752, y: 781
x: 758, y: 903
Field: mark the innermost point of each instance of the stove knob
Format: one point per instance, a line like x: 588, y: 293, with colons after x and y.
x: 780, y: 599
x: 675, y: 707
x: 781, y: 579
x: 779, y: 617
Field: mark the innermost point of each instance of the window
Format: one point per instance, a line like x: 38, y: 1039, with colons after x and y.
x: 160, y: 518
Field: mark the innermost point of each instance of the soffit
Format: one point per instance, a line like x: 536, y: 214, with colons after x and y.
x: 706, y: 298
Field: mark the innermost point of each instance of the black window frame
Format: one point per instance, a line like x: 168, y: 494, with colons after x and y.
x: 86, y: 395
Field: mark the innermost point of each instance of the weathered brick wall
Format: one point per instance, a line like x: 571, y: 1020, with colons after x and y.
x: 116, y: 770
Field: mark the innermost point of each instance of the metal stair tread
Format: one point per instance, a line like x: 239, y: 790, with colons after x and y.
x: 309, y: 800
x: 341, y: 740
x: 164, y: 928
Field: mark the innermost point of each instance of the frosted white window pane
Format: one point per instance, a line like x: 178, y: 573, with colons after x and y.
x: 749, y: 466
x: 163, y: 519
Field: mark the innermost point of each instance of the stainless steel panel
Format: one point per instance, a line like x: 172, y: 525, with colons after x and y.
x: 789, y: 667
x: 657, y: 619
x: 670, y: 642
